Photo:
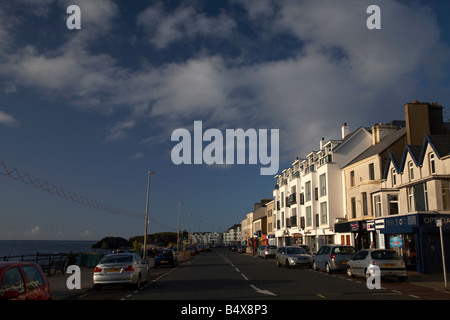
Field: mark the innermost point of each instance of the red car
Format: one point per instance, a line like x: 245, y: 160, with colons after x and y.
x: 20, y: 280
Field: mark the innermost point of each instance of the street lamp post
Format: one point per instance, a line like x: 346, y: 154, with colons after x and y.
x: 439, y: 225
x: 189, y: 230
x: 144, y: 255
x: 178, y: 229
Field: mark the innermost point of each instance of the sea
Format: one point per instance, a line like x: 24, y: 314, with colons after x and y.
x: 31, y: 247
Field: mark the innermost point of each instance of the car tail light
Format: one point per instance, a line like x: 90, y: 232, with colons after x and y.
x: 267, y: 250
x: 332, y: 256
x: 97, y: 269
x: 129, y: 268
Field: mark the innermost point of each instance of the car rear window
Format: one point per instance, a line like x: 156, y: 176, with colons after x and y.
x: 295, y: 251
x: 271, y: 247
x: 164, y: 252
x: 384, y: 255
x: 344, y: 250
x: 117, y: 259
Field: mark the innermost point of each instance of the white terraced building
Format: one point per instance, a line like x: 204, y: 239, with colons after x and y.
x: 308, y: 196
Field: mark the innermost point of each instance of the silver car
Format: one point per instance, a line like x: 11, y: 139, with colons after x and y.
x: 267, y: 251
x: 390, y: 264
x: 118, y: 268
x: 333, y: 257
x: 293, y: 256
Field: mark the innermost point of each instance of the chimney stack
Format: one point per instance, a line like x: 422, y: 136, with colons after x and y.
x: 345, y: 130
x: 423, y: 118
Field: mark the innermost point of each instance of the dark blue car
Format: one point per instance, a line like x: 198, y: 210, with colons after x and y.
x: 165, y: 257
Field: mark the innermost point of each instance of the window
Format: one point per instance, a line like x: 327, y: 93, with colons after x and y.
x: 12, y: 280
x: 308, y: 216
x: 308, y: 190
x: 371, y: 171
x: 377, y: 205
x: 364, y: 204
x: 323, y: 184
x: 282, y: 199
x: 282, y: 219
x: 34, y: 278
x: 411, y: 170
x: 418, y: 197
x: 353, y: 203
x: 410, y: 199
x: 323, y: 213
x: 445, y: 186
x: 393, y: 204
x: 394, y: 177
x: 432, y: 163
x: 352, y: 178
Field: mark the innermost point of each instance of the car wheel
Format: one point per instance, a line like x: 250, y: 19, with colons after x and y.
x: 287, y: 264
x: 138, y: 282
x: 328, y: 268
x: 278, y: 263
x: 350, y: 272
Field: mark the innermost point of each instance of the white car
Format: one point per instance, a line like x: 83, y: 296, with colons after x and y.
x: 118, y: 268
x: 390, y: 264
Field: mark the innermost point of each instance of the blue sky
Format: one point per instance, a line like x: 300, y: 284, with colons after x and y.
x: 92, y: 110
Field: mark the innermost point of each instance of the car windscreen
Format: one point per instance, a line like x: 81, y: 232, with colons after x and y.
x: 295, y: 251
x: 344, y: 250
x: 271, y: 247
x: 384, y: 255
x: 117, y: 259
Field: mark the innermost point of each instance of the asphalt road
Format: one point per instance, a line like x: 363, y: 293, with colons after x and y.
x: 225, y: 275
x: 225, y: 284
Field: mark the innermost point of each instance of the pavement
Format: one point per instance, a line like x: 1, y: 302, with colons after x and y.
x: 60, y: 291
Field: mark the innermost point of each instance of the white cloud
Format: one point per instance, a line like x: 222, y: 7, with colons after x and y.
x: 86, y: 234
x: 34, y: 232
x: 8, y: 120
x: 342, y: 73
x: 183, y: 24
x: 136, y: 156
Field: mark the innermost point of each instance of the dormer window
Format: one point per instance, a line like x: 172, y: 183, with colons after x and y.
x: 411, y: 170
x: 394, y: 177
x: 432, y: 163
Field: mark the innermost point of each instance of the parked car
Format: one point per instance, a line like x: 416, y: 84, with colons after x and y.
x: 165, y: 257
x: 390, y: 264
x: 304, y: 247
x: 234, y: 247
x: 292, y: 256
x: 118, y: 268
x: 260, y: 250
x: 192, y: 250
x: 267, y: 251
x: 333, y: 257
x: 242, y: 249
x: 23, y: 281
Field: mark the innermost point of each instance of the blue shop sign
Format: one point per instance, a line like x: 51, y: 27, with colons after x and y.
x: 401, y: 224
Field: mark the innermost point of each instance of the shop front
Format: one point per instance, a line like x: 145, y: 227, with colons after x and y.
x: 361, y: 233
x: 416, y: 239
